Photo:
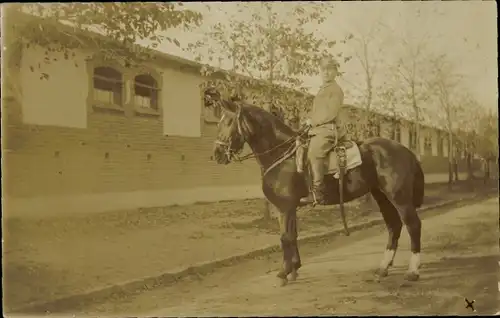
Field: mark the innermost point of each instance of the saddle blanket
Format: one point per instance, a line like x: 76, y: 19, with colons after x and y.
x: 353, y: 160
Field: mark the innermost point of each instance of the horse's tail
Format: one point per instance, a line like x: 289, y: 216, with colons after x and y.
x: 418, y: 186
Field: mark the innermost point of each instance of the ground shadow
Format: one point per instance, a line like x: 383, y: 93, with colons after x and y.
x: 309, y: 218
x: 456, y: 278
x: 28, y: 282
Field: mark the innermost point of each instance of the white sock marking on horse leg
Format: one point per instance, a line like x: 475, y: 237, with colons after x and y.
x: 498, y: 284
x: 414, y: 262
x: 388, y: 257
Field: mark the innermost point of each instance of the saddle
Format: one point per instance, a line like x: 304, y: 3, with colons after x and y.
x: 345, y: 150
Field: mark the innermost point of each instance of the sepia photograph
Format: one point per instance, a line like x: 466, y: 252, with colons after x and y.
x: 246, y: 158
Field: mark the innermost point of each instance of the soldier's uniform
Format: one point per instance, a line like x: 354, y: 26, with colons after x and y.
x: 324, y: 114
x: 324, y: 132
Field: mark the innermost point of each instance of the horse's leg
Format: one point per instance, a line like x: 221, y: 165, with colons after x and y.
x: 296, y: 263
x: 291, y: 256
x: 292, y: 228
x: 411, y: 220
x: 286, y: 247
x: 394, y: 226
x: 414, y: 226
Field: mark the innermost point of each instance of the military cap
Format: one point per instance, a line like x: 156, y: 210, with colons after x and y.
x: 328, y: 62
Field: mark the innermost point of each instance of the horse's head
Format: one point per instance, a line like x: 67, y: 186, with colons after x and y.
x: 230, y: 136
x: 243, y: 123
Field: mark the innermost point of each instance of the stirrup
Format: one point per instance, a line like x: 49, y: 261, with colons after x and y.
x: 316, y: 201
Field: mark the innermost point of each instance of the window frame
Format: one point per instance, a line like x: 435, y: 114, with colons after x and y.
x: 440, y: 143
x: 412, y: 137
x: 396, y: 131
x: 147, y: 111
x: 209, y: 113
x: 428, y: 144
x: 97, y: 104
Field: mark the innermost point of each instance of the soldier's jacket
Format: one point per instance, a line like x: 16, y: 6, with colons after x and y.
x: 325, y: 110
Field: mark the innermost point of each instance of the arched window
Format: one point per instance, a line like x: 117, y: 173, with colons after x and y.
x: 212, y: 113
x: 108, y: 86
x: 146, y: 91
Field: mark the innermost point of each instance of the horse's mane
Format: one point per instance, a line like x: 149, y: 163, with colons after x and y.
x: 266, y: 120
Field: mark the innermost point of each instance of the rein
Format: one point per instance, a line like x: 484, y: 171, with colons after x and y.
x: 255, y: 155
x: 287, y: 154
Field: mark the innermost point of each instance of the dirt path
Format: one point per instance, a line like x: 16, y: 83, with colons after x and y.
x: 459, y: 259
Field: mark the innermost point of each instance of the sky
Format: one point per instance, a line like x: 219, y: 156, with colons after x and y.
x: 463, y: 30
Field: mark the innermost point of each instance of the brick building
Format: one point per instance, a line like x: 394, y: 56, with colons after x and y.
x: 92, y: 135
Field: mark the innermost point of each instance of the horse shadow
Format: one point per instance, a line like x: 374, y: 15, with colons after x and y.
x: 457, y: 268
x: 445, y: 273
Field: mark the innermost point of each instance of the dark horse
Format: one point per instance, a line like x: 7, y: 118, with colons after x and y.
x: 389, y: 171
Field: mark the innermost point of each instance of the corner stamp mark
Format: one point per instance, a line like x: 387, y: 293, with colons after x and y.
x: 470, y: 304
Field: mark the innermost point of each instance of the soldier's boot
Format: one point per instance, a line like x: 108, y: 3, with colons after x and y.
x: 309, y: 200
x: 317, y: 195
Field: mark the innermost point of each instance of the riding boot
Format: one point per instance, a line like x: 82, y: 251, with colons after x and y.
x: 316, y: 196
x: 307, y: 200
x: 318, y: 189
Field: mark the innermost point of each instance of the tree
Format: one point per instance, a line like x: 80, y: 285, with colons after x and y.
x: 367, y: 45
x: 444, y: 82
x: 389, y: 97
x: 115, y: 28
x: 409, y: 69
x: 469, y: 115
x: 271, y: 43
x: 410, y: 50
x: 487, y: 143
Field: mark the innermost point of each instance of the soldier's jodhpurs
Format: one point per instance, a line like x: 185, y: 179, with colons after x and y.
x: 319, y: 147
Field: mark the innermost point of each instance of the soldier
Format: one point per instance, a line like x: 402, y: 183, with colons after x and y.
x: 324, y: 129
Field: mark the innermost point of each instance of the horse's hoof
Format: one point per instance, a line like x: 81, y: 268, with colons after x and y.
x: 293, y: 276
x: 412, y: 277
x: 282, y: 282
x: 381, y: 272
x: 391, y: 263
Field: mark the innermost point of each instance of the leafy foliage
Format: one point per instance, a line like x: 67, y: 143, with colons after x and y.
x: 488, y: 135
x: 369, y: 45
x: 443, y: 82
x: 410, y: 72
x: 114, y: 28
x: 271, y: 45
x: 121, y: 21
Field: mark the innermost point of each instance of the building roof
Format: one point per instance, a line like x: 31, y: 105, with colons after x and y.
x: 169, y: 58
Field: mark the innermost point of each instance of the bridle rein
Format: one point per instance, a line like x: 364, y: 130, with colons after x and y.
x: 232, y: 154
x: 228, y: 146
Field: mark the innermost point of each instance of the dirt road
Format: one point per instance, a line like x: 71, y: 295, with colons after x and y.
x: 49, y: 258
x: 459, y: 259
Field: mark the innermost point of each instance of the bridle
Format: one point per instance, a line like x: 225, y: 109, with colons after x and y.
x: 232, y: 154
x: 228, y: 146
